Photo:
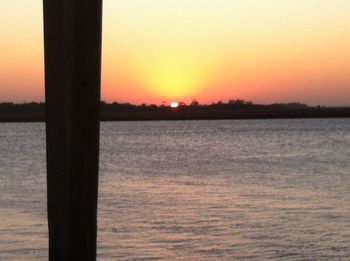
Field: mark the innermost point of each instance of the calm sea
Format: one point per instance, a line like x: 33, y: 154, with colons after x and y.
x: 199, y: 190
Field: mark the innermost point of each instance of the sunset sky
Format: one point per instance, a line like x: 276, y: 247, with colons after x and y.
x: 176, y: 50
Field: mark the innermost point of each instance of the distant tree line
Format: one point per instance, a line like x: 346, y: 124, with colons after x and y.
x: 195, y: 105
x: 231, y: 109
x: 31, y: 107
x: 34, y: 107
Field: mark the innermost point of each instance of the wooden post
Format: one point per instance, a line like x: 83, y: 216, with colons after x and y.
x: 72, y: 30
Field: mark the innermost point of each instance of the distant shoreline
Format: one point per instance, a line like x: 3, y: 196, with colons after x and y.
x: 195, y: 114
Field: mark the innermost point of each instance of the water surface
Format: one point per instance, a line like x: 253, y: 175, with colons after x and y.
x: 198, y: 190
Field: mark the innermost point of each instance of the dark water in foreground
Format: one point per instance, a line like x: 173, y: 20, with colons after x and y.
x: 201, y: 190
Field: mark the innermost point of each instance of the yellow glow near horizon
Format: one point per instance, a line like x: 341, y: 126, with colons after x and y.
x: 173, y: 77
x: 172, y: 80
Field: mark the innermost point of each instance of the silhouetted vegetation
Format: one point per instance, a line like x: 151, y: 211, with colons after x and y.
x: 25, y: 112
x: 32, y: 107
x: 232, y: 109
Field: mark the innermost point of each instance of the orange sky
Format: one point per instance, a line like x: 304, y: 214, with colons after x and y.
x: 164, y: 50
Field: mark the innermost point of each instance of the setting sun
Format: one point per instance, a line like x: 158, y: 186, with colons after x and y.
x: 174, y: 105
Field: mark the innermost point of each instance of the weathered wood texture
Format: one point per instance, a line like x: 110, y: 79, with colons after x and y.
x: 72, y: 30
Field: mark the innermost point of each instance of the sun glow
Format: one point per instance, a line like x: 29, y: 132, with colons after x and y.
x: 175, y: 76
x: 173, y: 81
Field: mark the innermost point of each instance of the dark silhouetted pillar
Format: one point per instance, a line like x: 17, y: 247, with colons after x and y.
x: 72, y: 30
